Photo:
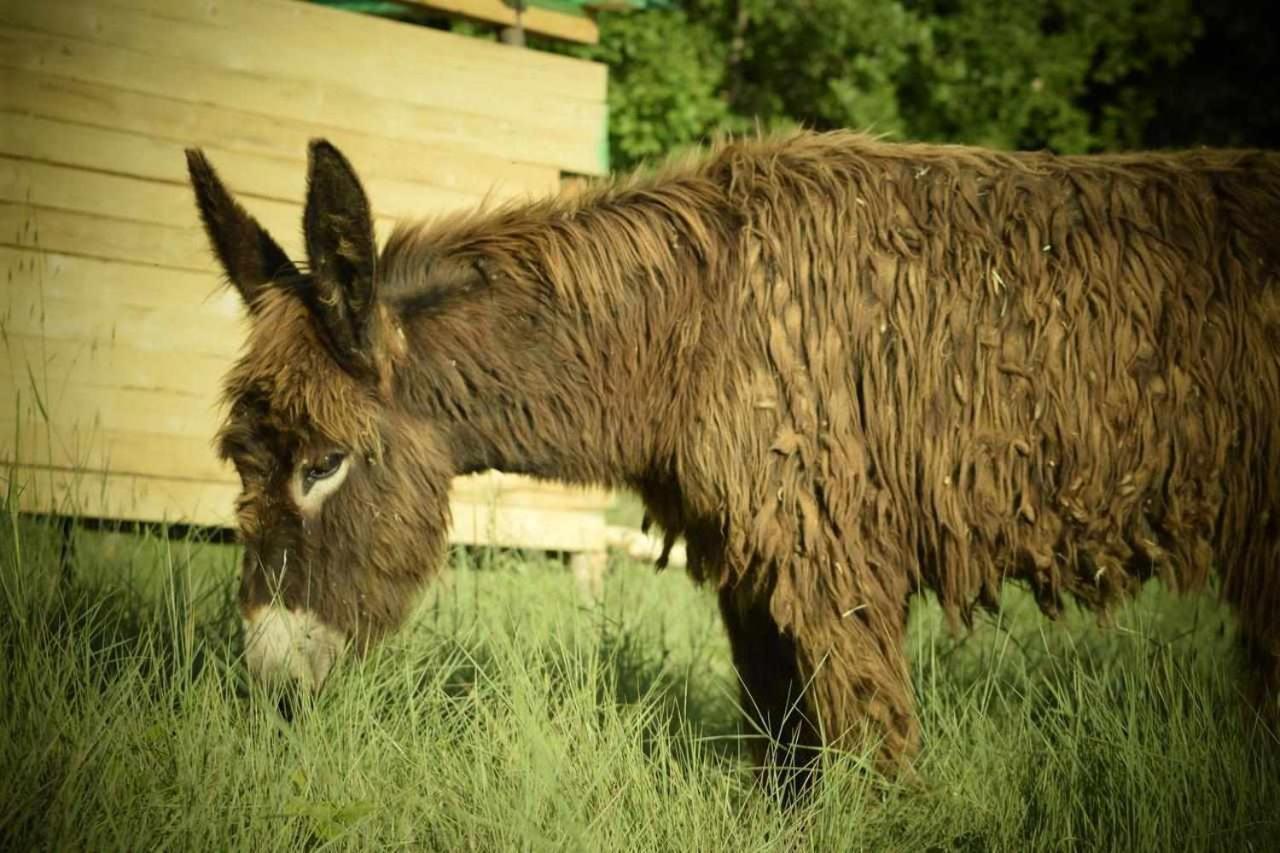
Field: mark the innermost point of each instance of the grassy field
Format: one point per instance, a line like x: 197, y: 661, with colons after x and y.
x: 512, y: 715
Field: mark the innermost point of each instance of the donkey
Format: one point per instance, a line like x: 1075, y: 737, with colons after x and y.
x: 844, y: 370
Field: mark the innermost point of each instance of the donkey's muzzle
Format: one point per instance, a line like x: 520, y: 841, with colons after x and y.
x: 283, y: 646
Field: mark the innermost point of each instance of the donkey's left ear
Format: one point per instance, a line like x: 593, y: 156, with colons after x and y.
x: 251, y: 259
x: 338, y: 227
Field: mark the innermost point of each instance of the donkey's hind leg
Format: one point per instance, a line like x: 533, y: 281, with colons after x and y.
x: 1263, y: 661
x: 786, y: 741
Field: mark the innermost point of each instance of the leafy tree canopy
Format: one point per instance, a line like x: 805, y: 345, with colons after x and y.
x: 1069, y: 75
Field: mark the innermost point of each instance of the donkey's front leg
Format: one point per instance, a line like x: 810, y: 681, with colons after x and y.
x: 857, y: 683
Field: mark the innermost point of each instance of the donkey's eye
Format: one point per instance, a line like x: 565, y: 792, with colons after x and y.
x: 325, y: 468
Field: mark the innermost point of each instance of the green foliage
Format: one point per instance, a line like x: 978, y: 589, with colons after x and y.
x: 1065, y: 74
x: 665, y: 78
x: 1072, y: 75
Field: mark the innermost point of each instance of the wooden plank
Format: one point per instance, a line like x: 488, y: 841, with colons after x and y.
x: 544, y: 22
x: 135, y: 498
x: 565, y: 530
x: 302, y: 100
x: 518, y: 490
x: 194, y: 414
x: 51, y: 145
x: 121, y: 49
x: 224, y: 131
x: 124, y: 497
x: 92, y: 365
x: 139, y: 200
x: 215, y: 329
x: 109, y: 284
x: 61, y: 373
x: 93, y: 449
x: 393, y: 48
x: 75, y: 233
x: 25, y: 226
x: 323, y: 45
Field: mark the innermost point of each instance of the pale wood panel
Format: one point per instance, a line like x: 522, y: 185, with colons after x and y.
x: 193, y: 414
x: 567, y: 134
x: 183, y: 247
x: 519, y: 490
x: 97, y: 450
x: 560, y: 530
x: 544, y: 22
x: 114, y: 330
x: 417, y: 53
x: 138, y: 200
x: 301, y: 100
x: 121, y: 452
x: 49, y: 145
x: 215, y: 330
x: 25, y: 226
x: 91, y: 364
x: 225, y: 131
x: 325, y: 46
x: 125, y: 497
x: 108, y: 284
x: 132, y: 498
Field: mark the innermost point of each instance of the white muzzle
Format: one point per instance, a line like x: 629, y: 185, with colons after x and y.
x: 290, y: 645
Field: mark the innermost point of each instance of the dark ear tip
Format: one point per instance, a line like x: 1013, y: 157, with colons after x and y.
x: 320, y: 148
x: 196, y: 161
x: 324, y: 158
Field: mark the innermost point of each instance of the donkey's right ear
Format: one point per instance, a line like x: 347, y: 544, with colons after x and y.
x: 252, y: 260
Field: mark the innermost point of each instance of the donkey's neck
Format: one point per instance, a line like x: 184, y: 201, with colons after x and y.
x: 579, y: 359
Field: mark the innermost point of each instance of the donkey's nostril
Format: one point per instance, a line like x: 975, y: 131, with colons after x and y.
x: 290, y: 646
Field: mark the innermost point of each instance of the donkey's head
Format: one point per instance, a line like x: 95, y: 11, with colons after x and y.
x: 344, y: 504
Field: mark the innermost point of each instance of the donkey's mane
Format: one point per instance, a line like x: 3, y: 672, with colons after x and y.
x: 588, y: 239
x: 582, y: 241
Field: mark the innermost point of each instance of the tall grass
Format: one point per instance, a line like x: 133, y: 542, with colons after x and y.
x: 510, y: 714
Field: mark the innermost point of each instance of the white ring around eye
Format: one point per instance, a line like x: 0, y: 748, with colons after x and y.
x: 310, y: 500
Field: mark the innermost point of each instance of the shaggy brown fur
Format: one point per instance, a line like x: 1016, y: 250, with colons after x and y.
x: 844, y: 370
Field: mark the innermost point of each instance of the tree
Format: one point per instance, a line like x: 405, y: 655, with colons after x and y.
x: 1071, y: 75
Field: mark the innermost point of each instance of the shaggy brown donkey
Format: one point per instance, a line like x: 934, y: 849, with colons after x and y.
x: 843, y: 370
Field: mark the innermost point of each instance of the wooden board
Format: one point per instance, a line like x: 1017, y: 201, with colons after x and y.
x: 54, y: 154
x: 544, y: 22
x: 226, y: 130
x: 183, y: 247
x: 258, y: 73
x: 392, y: 47
x: 563, y: 530
x: 123, y: 497
x: 155, y: 499
x: 93, y: 450
x: 87, y: 365
x: 107, y: 283
x: 24, y: 226
x: 71, y: 409
x: 107, y: 196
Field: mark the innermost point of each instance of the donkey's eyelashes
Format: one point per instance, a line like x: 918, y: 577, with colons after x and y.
x: 314, y: 481
x: 325, y: 468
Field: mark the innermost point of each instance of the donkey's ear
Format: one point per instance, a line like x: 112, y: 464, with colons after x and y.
x: 338, y: 227
x: 249, y: 256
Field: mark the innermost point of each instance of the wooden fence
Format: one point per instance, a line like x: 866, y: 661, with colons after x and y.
x: 114, y: 329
